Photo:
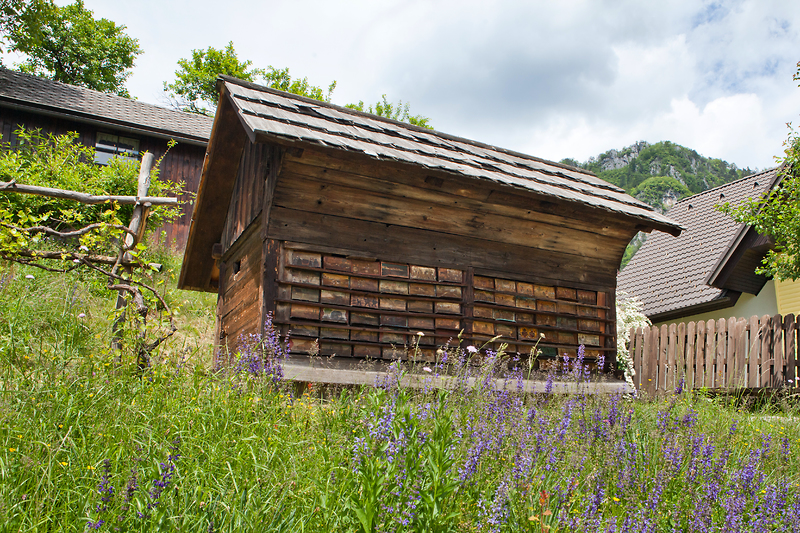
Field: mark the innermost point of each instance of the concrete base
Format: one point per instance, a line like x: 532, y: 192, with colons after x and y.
x: 351, y: 372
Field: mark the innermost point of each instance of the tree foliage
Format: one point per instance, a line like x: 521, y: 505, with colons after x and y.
x: 398, y: 111
x: 62, y: 236
x: 195, y: 86
x: 777, y: 214
x: 69, y: 45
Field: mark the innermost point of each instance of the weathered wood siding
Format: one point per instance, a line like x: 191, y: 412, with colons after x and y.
x: 238, y: 310
x: 248, y: 192
x: 412, y: 216
x: 370, y: 254
x: 183, y: 163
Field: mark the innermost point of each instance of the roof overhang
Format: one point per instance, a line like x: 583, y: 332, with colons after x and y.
x: 735, y: 268
x: 117, y: 125
x: 726, y: 299
x: 232, y: 127
x: 213, y: 196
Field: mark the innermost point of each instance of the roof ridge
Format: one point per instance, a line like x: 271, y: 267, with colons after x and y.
x: 405, y: 125
x: 729, y: 184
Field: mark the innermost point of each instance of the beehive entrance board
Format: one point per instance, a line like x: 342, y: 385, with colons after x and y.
x: 367, y: 308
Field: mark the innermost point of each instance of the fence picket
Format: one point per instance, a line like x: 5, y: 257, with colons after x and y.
x: 766, y: 352
x: 730, y: 361
x: 672, y: 334
x: 691, y: 333
x: 740, y: 379
x: 680, y: 355
x: 699, y: 355
x: 754, y: 359
x: 647, y: 359
x: 662, y: 358
x: 789, y: 331
x: 778, y: 372
x: 710, y: 351
x: 720, y: 341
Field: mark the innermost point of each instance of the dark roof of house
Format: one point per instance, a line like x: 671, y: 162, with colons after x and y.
x: 670, y: 275
x: 85, y: 105
x: 268, y: 113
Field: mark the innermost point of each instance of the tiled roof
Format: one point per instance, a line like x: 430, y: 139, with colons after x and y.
x: 271, y: 114
x: 668, y: 274
x: 85, y: 104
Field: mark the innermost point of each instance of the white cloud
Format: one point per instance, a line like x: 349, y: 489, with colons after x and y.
x: 555, y: 79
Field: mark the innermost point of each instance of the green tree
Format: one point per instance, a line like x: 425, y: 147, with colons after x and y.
x: 195, y: 85
x: 398, y: 111
x: 777, y: 213
x: 68, y: 44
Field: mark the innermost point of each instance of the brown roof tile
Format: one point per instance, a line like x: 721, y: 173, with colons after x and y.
x: 668, y: 274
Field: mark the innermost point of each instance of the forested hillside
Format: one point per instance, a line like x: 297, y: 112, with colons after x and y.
x: 662, y: 173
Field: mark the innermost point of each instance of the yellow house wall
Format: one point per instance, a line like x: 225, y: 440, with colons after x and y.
x: 788, y: 296
x: 764, y: 303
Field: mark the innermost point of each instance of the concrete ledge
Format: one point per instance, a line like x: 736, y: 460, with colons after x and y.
x: 344, y: 372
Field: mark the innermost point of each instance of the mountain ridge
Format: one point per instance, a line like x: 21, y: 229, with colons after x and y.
x: 660, y: 174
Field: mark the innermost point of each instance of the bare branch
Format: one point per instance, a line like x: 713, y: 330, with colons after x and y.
x: 67, y: 234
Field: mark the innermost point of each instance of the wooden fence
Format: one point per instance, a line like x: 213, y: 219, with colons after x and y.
x: 723, y: 354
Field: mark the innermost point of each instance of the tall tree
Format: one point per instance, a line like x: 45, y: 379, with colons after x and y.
x: 777, y: 213
x: 68, y: 44
x: 195, y: 85
x: 194, y: 88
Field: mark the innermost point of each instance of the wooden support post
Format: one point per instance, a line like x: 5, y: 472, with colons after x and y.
x: 137, y: 225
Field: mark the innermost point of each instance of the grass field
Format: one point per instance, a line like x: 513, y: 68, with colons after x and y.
x: 86, y: 442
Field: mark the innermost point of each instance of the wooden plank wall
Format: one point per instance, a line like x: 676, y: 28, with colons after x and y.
x: 248, y: 193
x: 184, y: 163
x: 411, y: 215
x: 760, y: 352
x: 238, y: 310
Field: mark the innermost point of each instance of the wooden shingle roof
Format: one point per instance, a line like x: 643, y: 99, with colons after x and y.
x: 670, y: 275
x: 27, y: 92
x: 265, y: 115
x: 269, y: 114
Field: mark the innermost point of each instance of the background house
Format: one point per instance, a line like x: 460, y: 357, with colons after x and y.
x: 709, y: 271
x: 359, y: 233
x: 115, y: 126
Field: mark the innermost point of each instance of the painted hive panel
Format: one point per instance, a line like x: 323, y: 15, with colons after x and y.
x: 362, y: 308
x: 524, y: 315
x: 373, y: 308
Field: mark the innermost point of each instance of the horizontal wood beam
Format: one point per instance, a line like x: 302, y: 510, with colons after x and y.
x: 12, y: 186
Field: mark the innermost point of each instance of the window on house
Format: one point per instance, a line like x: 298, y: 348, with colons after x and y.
x: 110, y: 146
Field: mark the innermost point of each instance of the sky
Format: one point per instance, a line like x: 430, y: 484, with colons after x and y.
x: 551, y: 79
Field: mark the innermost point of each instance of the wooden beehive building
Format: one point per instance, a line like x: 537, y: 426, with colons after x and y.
x: 357, y: 233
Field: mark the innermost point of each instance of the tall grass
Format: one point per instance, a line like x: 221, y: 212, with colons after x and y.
x: 91, y: 445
